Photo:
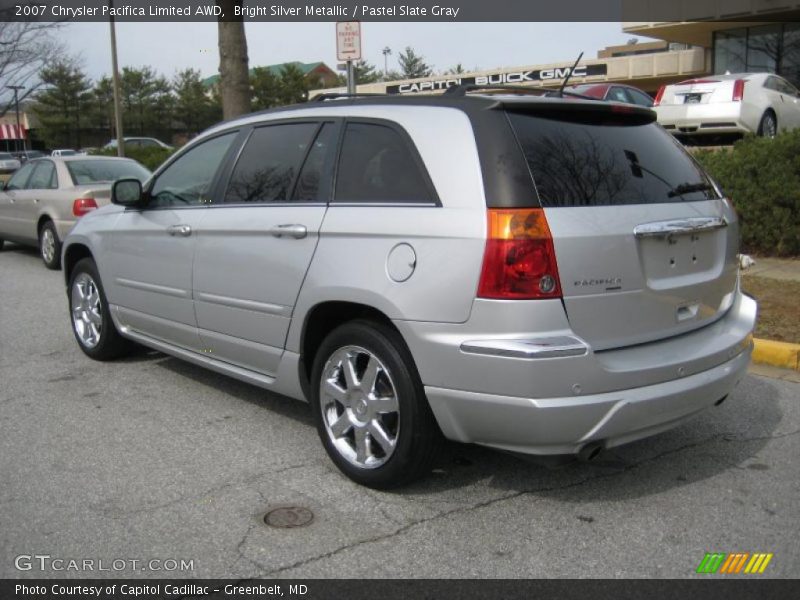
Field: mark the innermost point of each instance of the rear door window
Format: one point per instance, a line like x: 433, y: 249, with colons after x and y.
x: 44, y: 177
x: 378, y: 165
x: 600, y: 159
x: 269, y: 163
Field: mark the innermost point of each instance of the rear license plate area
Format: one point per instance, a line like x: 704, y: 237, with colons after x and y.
x: 692, y: 98
x: 680, y: 257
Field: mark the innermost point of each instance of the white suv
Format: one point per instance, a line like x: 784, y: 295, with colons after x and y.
x: 540, y: 275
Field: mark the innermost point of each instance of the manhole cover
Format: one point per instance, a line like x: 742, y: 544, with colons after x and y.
x: 287, y: 517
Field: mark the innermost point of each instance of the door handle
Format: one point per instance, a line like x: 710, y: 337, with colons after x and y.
x: 298, y: 232
x: 181, y: 230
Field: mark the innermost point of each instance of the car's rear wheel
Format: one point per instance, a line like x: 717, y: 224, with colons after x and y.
x: 50, y: 246
x: 768, y: 127
x: 370, y: 407
x: 91, y: 321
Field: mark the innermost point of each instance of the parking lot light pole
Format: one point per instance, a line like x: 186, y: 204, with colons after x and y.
x: 115, y: 77
x: 16, y: 89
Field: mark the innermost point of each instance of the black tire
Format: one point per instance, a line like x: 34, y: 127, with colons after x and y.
x: 110, y: 344
x: 768, y: 126
x: 417, y: 436
x: 2, y: 243
x: 50, y: 247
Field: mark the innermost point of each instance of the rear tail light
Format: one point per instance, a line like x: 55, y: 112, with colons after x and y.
x: 519, y: 262
x: 81, y: 206
x: 738, y: 90
x: 659, y: 95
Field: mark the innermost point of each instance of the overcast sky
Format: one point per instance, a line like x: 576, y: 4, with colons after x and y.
x: 169, y: 47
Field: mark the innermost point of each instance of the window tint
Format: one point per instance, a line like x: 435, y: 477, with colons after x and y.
x: 377, y: 165
x: 618, y: 94
x: 606, y: 161
x: 44, y: 177
x: 187, y: 180
x: 18, y: 180
x: 269, y: 163
x: 308, y: 186
x: 148, y: 143
x: 640, y: 98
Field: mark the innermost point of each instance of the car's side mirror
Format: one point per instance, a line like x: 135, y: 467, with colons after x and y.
x: 127, y: 192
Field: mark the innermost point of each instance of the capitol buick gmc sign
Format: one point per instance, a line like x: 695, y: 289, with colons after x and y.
x: 509, y: 77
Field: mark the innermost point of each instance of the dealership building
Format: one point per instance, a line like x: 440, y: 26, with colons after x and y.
x: 714, y: 36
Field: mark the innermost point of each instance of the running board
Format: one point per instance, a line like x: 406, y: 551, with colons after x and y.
x: 246, y: 375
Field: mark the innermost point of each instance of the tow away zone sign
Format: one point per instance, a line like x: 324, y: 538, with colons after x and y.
x: 348, y: 40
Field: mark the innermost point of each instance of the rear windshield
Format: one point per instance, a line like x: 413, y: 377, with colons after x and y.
x: 94, y: 171
x: 606, y: 160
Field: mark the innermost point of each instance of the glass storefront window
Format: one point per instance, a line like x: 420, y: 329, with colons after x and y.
x: 730, y: 51
x: 764, y: 48
x: 773, y: 48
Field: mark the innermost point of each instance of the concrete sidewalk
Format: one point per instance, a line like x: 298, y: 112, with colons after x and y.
x: 786, y: 269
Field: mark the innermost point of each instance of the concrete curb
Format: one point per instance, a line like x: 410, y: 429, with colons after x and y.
x: 777, y: 354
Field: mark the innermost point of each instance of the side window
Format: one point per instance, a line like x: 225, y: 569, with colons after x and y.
x: 187, y: 181
x: 377, y: 165
x: 20, y: 178
x: 44, y: 177
x: 309, y: 182
x: 771, y: 83
x: 617, y: 94
x: 641, y: 98
x: 269, y: 163
x: 147, y: 143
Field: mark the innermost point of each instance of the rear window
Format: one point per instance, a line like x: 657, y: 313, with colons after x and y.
x: 92, y: 171
x: 606, y: 160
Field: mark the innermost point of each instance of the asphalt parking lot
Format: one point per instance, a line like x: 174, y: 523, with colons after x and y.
x: 152, y: 458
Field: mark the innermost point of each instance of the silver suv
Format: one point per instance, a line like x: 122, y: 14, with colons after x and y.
x: 540, y: 275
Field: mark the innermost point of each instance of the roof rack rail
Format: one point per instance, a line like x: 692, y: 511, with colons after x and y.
x: 335, y: 95
x: 459, y: 91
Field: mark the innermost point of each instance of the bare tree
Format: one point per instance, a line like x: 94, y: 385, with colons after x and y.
x: 234, y: 77
x: 25, y: 48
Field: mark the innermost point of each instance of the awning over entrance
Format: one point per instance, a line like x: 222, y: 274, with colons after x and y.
x: 11, y: 132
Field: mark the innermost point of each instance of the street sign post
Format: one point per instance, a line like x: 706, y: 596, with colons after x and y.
x: 348, y: 48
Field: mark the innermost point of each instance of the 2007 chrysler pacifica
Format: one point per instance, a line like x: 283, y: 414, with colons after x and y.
x: 541, y: 275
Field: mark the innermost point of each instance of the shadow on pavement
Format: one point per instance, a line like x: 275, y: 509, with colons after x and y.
x: 717, y: 440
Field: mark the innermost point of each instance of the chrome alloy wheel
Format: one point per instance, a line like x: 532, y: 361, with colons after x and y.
x: 48, y: 245
x: 87, y: 310
x: 360, y: 409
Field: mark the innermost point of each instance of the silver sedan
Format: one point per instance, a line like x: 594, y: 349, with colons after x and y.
x: 43, y: 199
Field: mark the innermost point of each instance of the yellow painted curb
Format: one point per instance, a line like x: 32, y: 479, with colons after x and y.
x: 777, y: 354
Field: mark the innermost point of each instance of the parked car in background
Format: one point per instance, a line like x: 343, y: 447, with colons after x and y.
x: 64, y: 152
x: 8, y: 163
x: 494, y: 268
x: 613, y: 92
x: 760, y: 103
x: 44, y: 198
x: 139, y: 142
x: 26, y: 155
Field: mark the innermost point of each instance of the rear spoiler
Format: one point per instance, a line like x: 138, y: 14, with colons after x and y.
x: 573, y: 109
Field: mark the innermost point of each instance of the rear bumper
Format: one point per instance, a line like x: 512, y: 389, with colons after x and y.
x: 509, y: 396
x: 565, y: 425
x: 707, y: 119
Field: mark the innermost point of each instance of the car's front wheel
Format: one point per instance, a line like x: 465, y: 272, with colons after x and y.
x: 370, y: 407
x: 91, y: 321
x: 50, y: 246
x: 768, y: 127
